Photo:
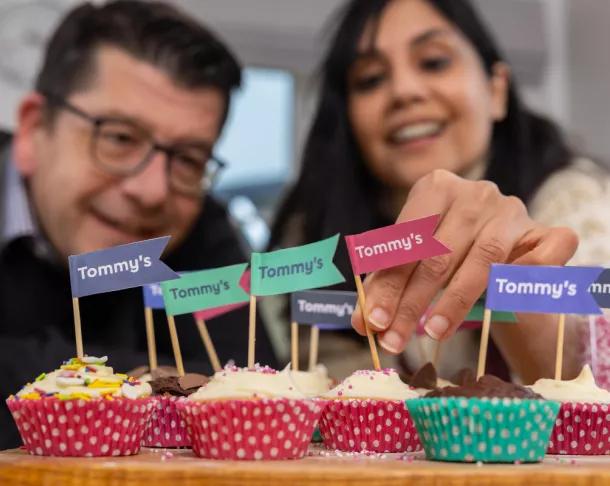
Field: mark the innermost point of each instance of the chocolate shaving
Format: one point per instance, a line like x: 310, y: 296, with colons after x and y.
x: 192, y: 381
x: 487, y: 386
x: 425, y: 377
x: 178, y: 386
x: 464, y: 377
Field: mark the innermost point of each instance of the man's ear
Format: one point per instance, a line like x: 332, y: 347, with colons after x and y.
x: 30, y: 127
x: 500, y: 83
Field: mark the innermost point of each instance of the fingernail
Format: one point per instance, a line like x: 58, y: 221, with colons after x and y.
x: 379, y: 318
x: 436, y: 327
x: 392, y: 342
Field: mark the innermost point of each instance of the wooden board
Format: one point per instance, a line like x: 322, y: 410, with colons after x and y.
x: 165, y: 467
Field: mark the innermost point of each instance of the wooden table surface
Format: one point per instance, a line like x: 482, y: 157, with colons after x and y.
x: 181, y: 468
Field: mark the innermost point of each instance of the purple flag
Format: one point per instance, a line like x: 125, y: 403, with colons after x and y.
x: 153, y: 296
x: 119, y: 267
x: 552, y: 290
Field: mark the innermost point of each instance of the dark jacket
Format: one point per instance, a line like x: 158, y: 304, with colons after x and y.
x: 36, y: 321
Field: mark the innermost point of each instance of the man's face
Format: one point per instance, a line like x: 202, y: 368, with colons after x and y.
x: 80, y: 207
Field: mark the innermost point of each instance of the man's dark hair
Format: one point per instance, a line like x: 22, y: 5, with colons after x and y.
x: 153, y: 32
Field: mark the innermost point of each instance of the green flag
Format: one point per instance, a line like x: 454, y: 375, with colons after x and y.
x: 205, y: 289
x: 476, y: 314
x: 299, y: 268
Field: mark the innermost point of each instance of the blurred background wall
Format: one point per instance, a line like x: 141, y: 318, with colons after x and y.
x: 558, y: 50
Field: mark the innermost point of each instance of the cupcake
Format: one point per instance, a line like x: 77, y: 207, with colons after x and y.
x: 166, y: 428
x: 583, y: 424
x: 250, y: 414
x: 82, y: 409
x: 488, y: 420
x: 366, y: 412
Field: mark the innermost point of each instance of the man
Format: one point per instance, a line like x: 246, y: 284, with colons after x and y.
x: 113, y: 146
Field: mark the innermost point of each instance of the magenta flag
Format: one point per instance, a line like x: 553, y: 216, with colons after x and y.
x: 395, y: 245
x: 244, y: 283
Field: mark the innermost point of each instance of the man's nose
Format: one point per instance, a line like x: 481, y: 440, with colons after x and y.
x: 150, y: 186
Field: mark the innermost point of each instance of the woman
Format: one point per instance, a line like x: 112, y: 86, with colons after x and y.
x: 417, y: 104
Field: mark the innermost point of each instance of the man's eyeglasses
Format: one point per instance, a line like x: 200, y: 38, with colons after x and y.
x: 123, y: 148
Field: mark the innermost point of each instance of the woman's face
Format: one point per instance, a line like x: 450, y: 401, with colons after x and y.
x: 418, y: 96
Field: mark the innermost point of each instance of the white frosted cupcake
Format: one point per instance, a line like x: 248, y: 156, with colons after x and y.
x: 367, y: 412
x: 582, y: 426
x: 250, y: 414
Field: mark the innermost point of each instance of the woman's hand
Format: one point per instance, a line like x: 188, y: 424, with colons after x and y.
x: 480, y: 226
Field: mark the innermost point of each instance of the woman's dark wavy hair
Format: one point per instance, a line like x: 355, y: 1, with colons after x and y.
x: 335, y: 191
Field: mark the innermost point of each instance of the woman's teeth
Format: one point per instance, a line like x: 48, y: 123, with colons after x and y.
x: 415, y: 131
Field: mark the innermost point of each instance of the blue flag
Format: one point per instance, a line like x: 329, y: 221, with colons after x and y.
x: 552, y: 290
x: 119, y: 267
x: 153, y: 296
x: 328, y: 309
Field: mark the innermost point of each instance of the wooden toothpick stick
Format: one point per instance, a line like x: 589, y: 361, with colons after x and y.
x: 77, y: 328
x: 175, y: 344
x: 252, y: 332
x: 150, y: 338
x: 294, y: 345
x: 313, y: 347
x: 369, y: 333
x: 209, y: 345
x: 484, y: 343
x: 559, y: 352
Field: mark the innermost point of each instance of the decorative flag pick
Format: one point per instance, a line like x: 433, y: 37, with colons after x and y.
x: 544, y: 289
x: 116, y: 268
x: 283, y: 271
x: 387, y: 247
x: 331, y: 307
x: 153, y: 299
x: 200, y: 290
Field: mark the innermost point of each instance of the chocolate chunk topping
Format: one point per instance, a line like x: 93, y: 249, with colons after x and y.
x: 463, y: 377
x: 178, y: 386
x: 192, y: 381
x: 487, y: 386
x: 425, y: 377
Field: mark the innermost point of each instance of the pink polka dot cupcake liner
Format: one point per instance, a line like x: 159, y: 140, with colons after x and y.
x: 368, y: 425
x: 581, y: 429
x: 166, y: 428
x: 81, y: 428
x: 251, y: 429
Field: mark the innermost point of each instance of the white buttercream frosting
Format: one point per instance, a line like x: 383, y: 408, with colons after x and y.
x: 384, y: 385
x: 86, y: 378
x: 244, y: 383
x: 581, y: 389
x: 312, y: 383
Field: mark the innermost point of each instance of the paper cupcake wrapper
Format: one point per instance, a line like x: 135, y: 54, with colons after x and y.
x: 581, y: 429
x: 368, y: 425
x: 82, y: 428
x: 166, y: 428
x: 483, y: 429
x: 251, y: 429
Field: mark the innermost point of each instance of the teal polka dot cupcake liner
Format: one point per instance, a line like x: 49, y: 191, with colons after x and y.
x: 483, y: 429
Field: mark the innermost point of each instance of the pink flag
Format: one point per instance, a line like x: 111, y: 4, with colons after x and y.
x: 395, y: 245
x: 244, y: 283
